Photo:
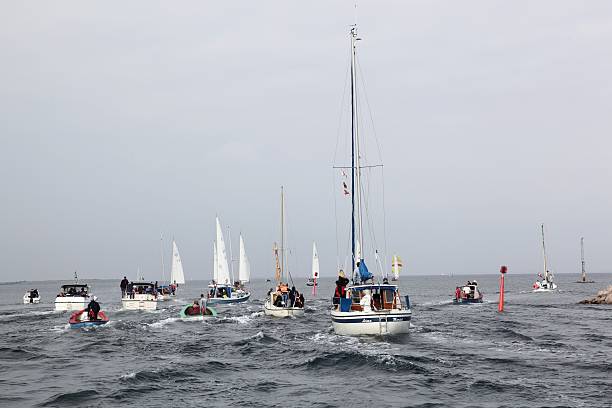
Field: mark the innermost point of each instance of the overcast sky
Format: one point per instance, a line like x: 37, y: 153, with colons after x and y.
x: 123, y: 120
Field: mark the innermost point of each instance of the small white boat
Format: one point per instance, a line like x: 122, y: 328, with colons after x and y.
x: 31, y: 296
x: 141, y: 297
x: 314, y: 277
x: 545, y: 282
x: 72, y: 296
x: 469, y: 293
x: 280, y: 301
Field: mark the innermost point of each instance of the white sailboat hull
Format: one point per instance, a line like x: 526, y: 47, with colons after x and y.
x: 271, y: 310
x: 64, y: 303
x: 356, y: 323
x: 139, y: 302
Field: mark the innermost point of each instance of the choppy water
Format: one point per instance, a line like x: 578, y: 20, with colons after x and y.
x: 544, y: 351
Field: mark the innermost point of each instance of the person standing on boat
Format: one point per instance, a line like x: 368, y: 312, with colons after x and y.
x: 202, y: 303
x: 366, y: 301
x: 93, y: 308
x: 124, y: 285
x: 292, y: 296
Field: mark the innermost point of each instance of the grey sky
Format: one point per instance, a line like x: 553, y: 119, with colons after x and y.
x: 121, y: 120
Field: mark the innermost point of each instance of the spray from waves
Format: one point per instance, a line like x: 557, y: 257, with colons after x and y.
x: 244, y: 319
x: 60, y: 328
x: 163, y: 322
x: 258, y: 337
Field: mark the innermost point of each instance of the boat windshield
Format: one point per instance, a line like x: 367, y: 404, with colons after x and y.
x: 74, y: 290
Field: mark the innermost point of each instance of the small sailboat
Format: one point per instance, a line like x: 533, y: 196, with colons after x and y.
x: 545, y: 283
x: 361, y: 306
x: 583, y: 275
x: 81, y: 319
x: 396, y: 267
x: 314, y: 277
x: 282, y: 302
x: 177, y: 276
x: 223, y: 289
x: 31, y: 296
x: 468, y: 293
x: 73, y: 296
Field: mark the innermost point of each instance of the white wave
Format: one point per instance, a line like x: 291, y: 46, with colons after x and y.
x: 163, y: 322
x: 127, y: 376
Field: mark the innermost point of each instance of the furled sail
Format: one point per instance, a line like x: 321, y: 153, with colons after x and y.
x: 176, y: 274
x: 244, y: 269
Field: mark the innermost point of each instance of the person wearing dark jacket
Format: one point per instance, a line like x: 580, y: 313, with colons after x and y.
x: 93, y: 308
x: 124, y: 285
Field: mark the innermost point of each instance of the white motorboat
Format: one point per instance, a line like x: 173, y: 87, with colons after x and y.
x: 281, y: 301
x: 31, y: 296
x: 142, y: 296
x: 545, y: 282
x: 72, y: 297
x: 360, y: 306
x: 221, y: 290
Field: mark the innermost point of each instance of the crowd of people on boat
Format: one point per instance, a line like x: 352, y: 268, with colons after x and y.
x: 469, y: 291
x: 224, y: 290
x: 282, y: 296
x: 129, y: 289
x: 72, y: 291
x: 199, y: 307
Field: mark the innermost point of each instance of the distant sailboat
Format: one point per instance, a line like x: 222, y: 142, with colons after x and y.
x: 222, y: 290
x: 583, y: 275
x: 396, y: 267
x: 244, y: 268
x: 545, y: 283
x: 176, y: 274
x: 312, y: 281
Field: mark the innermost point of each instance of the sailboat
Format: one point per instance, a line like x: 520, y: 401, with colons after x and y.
x: 223, y: 289
x: 244, y: 266
x: 396, y: 267
x: 361, y: 306
x: 312, y: 281
x: 583, y: 275
x: 281, y: 302
x: 177, y: 277
x: 545, y: 282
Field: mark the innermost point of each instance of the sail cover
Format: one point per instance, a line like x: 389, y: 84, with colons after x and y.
x: 244, y: 269
x: 223, y: 274
x: 176, y: 274
x: 364, y: 273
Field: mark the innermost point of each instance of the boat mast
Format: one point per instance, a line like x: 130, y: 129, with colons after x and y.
x: 583, y: 275
x: 282, y: 245
x: 356, y: 229
x: 229, y: 237
x: 161, y: 247
x: 544, y: 252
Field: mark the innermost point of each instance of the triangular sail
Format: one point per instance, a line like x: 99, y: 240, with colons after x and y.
x: 244, y: 269
x: 176, y: 274
x: 215, y: 263
x: 223, y: 273
x: 315, y: 262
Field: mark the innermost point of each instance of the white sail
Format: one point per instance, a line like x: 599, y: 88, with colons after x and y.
x: 176, y: 274
x: 244, y: 268
x: 396, y: 267
x: 215, y: 263
x: 223, y: 273
x: 358, y: 255
x: 315, y: 262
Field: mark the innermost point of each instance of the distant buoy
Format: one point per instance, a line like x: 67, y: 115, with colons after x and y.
x: 502, y: 271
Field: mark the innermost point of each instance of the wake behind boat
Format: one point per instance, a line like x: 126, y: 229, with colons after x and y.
x: 360, y: 306
x: 282, y: 301
x: 221, y: 290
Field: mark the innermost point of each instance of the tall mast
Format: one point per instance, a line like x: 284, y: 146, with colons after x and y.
x: 161, y: 247
x: 544, y: 252
x: 229, y: 237
x: 583, y: 274
x: 282, y: 246
x: 353, y: 37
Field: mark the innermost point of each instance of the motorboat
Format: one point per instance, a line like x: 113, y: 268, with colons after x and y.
x: 311, y: 282
x: 220, y: 290
x: 142, y: 296
x: 80, y: 319
x: 73, y: 296
x: 545, y: 281
x: 371, y: 309
x: 468, y: 293
x: 281, y: 301
x: 192, y: 312
x: 31, y: 296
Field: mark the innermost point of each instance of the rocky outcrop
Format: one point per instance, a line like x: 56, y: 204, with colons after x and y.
x: 603, y: 297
